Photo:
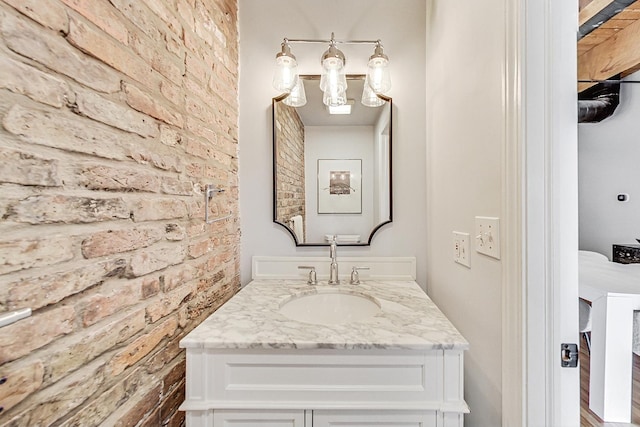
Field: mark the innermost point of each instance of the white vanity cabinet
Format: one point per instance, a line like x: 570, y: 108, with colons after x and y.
x: 247, y: 365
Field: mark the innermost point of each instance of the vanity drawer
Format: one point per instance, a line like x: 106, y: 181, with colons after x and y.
x: 322, y: 378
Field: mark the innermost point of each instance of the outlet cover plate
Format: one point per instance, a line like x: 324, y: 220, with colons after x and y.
x: 461, y: 248
x: 487, y: 236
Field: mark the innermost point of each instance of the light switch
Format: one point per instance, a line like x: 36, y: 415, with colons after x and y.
x: 488, y: 236
x: 461, y: 249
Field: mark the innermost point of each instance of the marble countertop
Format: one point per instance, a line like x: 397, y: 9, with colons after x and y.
x: 407, y: 320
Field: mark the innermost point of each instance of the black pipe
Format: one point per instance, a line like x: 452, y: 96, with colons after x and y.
x: 598, y: 102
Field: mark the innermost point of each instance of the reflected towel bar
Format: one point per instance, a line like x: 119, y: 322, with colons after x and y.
x: 211, y: 189
x: 13, y: 316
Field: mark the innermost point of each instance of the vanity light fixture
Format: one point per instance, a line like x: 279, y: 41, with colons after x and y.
x: 286, y: 74
x: 333, y: 82
x: 297, y: 97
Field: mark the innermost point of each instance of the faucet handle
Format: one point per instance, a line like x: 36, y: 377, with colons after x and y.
x: 313, y: 280
x: 355, y: 277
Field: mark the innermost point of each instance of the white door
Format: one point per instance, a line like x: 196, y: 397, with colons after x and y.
x: 548, y: 60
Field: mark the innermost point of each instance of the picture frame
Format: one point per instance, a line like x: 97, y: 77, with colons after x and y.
x: 339, y: 186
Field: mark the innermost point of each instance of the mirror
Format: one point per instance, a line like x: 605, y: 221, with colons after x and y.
x: 332, y: 172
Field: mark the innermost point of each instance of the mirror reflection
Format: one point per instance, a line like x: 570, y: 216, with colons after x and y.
x: 332, y: 172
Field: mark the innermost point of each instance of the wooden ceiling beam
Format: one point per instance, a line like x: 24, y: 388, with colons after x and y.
x: 590, y: 10
x: 618, y: 54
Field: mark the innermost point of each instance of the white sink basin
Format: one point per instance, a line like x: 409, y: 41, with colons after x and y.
x: 329, y: 307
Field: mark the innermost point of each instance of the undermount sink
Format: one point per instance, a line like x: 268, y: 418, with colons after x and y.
x: 329, y: 307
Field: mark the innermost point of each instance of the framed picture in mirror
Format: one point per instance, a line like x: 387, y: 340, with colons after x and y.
x: 339, y: 186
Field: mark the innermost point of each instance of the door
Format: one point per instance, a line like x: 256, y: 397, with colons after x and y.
x: 550, y: 232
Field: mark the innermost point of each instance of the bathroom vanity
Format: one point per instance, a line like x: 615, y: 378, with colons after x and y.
x: 285, y: 353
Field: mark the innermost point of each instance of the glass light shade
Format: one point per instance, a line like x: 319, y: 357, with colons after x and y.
x: 369, y: 97
x: 334, y: 98
x: 285, y: 74
x: 333, y: 78
x: 378, y: 71
x: 297, y: 97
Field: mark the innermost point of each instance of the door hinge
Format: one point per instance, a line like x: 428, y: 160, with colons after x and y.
x: 568, y: 355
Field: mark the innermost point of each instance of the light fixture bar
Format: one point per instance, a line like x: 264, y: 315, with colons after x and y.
x: 321, y: 41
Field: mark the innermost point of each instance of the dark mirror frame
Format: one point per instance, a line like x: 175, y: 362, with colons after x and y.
x: 279, y: 98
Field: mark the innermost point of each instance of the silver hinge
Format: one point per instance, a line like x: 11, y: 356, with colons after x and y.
x: 568, y: 355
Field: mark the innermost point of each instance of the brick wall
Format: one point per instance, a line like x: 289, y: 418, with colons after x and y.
x: 290, y: 162
x: 115, y: 114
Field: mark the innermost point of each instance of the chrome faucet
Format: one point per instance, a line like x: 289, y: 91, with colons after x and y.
x: 333, y: 270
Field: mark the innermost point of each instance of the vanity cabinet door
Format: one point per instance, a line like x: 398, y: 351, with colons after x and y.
x: 258, y: 418
x: 375, y: 418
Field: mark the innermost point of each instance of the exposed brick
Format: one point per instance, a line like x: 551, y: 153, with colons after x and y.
x: 172, y: 93
x: 147, y: 156
x: 177, y: 276
x: 50, y: 14
x: 174, y: 377
x: 82, y: 349
x: 106, y: 403
x: 136, y: 12
x: 21, y: 381
x: 67, y: 209
x: 170, y: 136
x: 24, y: 168
x: 136, y: 410
x: 161, y: 10
x: 102, y: 15
x: 116, y: 241
x: 144, y: 103
x: 176, y: 186
x: 58, y: 130
x: 199, y: 149
x: 21, y: 254
x: 201, y: 129
x: 175, y: 232
x: 110, y: 52
x: 158, y: 209
x: 97, y: 177
x: 34, y: 332
x: 107, y: 302
x: 53, y: 51
x: 202, y: 247
x: 106, y: 100
x: 141, y: 346
x: 156, y: 258
x: 150, y: 286
x: 114, y: 114
x: 171, y: 402
x: 66, y: 395
x: 29, y: 81
x: 41, y: 291
x: 169, y: 302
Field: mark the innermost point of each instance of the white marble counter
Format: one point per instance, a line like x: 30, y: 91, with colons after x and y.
x: 407, y: 320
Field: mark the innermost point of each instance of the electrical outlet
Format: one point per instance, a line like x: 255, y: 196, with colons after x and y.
x: 461, y: 248
x: 488, y: 236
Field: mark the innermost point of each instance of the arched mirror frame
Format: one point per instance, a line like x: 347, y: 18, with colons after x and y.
x: 376, y: 227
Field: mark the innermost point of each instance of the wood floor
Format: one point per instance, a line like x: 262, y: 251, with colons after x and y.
x: 588, y: 418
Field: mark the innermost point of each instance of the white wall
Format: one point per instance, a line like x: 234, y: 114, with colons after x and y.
x: 608, y: 165
x: 328, y: 142
x: 465, y: 125
x: 400, y: 26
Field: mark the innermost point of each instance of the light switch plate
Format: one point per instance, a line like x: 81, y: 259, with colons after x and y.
x: 487, y: 236
x: 461, y: 248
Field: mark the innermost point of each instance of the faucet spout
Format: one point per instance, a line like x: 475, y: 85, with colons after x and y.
x: 333, y: 269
